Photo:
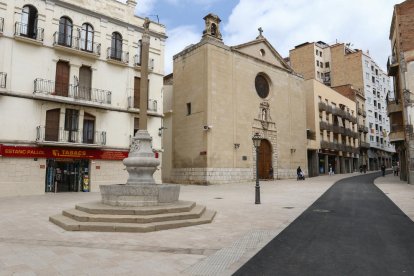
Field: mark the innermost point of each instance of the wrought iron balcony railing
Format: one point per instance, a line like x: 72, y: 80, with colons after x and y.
x: 118, y: 55
x: 24, y: 30
x: 3, y: 80
x: 76, y: 43
x: 76, y: 92
x: 152, y: 104
x: 70, y: 136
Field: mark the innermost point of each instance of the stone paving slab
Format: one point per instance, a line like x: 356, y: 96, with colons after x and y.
x: 31, y: 245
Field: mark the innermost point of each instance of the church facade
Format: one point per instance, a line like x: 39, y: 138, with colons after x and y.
x: 220, y: 97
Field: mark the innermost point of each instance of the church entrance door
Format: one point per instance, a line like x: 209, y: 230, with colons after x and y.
x: 265, y: 160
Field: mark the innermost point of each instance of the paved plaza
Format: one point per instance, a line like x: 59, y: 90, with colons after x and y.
x: 31, y: 245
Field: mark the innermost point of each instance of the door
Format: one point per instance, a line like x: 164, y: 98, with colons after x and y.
x: 62, y: 78
x: 265, y: 160
x: 88, y: 129
x: 71, y: 125
x: 52, y: 125
x: 85, y: 80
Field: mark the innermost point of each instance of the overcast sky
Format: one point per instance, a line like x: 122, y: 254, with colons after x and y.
x: 286, y: 23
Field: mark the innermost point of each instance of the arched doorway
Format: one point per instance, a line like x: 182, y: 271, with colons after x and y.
x: 265, y: 160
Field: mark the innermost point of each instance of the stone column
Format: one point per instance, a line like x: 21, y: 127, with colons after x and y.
x: 143, y: 104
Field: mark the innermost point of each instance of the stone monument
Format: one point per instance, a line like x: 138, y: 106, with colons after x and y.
x: 140, y: 205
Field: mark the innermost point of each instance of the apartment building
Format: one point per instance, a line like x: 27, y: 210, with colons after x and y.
x: 339, y: 65
x: 69, y: 93
x: 333, y: 140
x: 400, y: 67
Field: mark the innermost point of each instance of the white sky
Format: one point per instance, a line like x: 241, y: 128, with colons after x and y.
x: 286, y: 23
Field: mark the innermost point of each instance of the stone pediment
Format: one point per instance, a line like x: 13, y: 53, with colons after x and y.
x: 261, y: 49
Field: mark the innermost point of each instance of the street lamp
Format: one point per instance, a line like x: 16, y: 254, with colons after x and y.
x: 256, y: 142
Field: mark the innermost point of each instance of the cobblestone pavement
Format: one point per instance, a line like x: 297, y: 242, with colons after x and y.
x: 31, y: 245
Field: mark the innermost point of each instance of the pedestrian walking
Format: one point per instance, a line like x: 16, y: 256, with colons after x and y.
x: 330, y: 170
x: 383, y: 169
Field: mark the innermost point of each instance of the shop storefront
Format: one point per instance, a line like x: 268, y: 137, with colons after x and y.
x: 66, y: 169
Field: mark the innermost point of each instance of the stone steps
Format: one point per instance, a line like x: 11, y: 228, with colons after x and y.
x: 78, y: 215
x: 99, y: 217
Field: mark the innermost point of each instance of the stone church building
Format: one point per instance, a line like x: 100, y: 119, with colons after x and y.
x: 217, y: 98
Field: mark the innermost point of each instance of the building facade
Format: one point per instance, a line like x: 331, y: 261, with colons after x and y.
x: 333, y: 143
x: 69, y: 94
x: 221, y: 97
x: 339, y: 65
x: 400, y: 105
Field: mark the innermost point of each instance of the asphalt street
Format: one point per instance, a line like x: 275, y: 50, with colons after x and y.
x: 352, y: 229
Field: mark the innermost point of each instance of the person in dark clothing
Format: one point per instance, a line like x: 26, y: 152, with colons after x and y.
x: 300, y: 174
x: 383, y: 169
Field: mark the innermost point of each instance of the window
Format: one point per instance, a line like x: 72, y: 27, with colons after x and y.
x: 317, y: 63
x: 86, y: 42
x: 317, y: 52
x: 188, y: 108
x: 320, y: 53
x: 116, y: 46
x: 83, y: 90
x: 65, y: 32
x: 321, y: 64
x: 71, y: 124
x: 28, y: 24
x: 373, y: 79
x: 326, y: 64
x: 262, y: 86
x: 318, y: 74
x: 139, y: 53
x: 88, y: 129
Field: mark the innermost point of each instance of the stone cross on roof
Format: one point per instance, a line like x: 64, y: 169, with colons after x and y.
x: 260, y: 33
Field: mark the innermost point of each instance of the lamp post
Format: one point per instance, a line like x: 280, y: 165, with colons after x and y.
x: 256, y: 142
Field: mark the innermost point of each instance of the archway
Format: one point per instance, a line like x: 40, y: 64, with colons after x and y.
x: 265, y: 160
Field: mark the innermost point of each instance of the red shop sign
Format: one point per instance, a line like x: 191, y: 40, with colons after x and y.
x: 44, y: 152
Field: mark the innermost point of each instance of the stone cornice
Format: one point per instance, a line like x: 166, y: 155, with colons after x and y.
x: 110, y: 19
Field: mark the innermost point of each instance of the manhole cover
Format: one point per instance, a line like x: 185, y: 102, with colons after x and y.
x: 218, y: 198
x: 288, y: 207
x: 321, y: 210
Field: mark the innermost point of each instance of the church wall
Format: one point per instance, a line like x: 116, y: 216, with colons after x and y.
x: 189, y: 138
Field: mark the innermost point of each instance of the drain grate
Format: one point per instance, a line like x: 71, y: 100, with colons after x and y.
x: 321, y: 210
x: 288, y: 207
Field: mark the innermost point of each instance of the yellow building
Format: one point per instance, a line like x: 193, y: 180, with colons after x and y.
x: 221, y: 97
x: 332, y: 130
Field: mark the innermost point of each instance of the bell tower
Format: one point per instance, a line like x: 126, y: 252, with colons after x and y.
x: 212, y: 28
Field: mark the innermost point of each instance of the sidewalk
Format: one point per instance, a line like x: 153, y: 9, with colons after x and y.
x: 401, y: 193
x: 31, y: 245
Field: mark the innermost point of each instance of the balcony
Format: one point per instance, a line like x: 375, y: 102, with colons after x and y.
x: 322, y: 106
x: 397, y: 133
x: 79, y: 45
x: 329, y: 109
x: 1, y: 25
x: 323, y: 125
x: 152, y: 104
x: 117, y: 56
x: 29, y: 34
x: 62, y: 92
x: 338, y: 129
x: 393, y: 107
x: 137, y: 62
x: 3, y: 80
x: 330, y: 145
x: 74, y: 137
x: 392, y: 66
x: 364, y: 145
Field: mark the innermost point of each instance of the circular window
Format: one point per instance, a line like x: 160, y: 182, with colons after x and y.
x: 262, y: 86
